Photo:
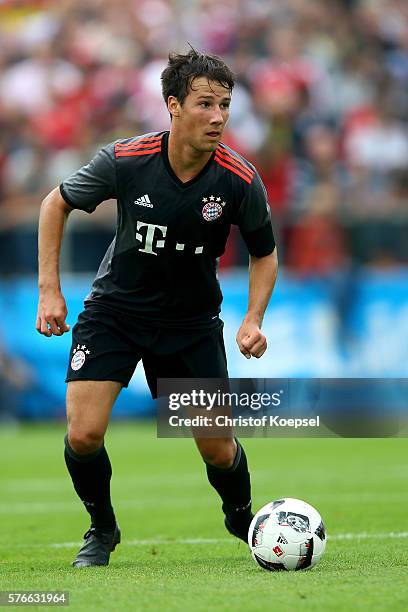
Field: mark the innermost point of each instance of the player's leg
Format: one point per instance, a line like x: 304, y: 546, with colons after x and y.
x: 227, y: 472
x: 89, y: 405
x: 225, y: 459
x: 226, y: 464
x: 102, y: 362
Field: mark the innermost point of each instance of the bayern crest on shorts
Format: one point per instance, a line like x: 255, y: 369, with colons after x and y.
x: 212, y: 208
x: 79, y: 355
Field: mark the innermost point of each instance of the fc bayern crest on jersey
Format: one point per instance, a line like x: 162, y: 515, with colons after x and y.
x: 212, y: 208
x: 79, y: 355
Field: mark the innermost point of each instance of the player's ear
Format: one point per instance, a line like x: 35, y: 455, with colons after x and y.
x: 173, y: 106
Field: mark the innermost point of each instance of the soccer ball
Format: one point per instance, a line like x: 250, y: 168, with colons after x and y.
x: 287, y: 534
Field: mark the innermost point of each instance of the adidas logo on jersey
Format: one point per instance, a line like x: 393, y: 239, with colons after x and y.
x: 144, y: 201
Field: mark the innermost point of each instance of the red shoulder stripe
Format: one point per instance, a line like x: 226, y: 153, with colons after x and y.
x: 233, y: 169
x: 137, y: 152
x: 146, y: 145
x: 129, y: 145
x: 235, y: 157
x: 234, y: 162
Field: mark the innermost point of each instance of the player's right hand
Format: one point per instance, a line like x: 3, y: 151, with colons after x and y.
x: 51, y: 314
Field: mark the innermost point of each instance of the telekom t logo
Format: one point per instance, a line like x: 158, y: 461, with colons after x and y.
x: 148, y: 238
x: 150, y: 234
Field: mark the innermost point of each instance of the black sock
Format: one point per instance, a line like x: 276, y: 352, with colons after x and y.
x: 233, y: 486
x: 91, y: 476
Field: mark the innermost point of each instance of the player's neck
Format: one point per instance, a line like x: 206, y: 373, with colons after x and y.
x: 185, y: 161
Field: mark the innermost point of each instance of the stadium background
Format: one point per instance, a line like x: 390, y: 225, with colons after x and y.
x: 320, y: 107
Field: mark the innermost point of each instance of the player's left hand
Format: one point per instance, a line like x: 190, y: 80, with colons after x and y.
x: 250, y: 340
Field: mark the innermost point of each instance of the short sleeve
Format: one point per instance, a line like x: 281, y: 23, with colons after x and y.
x: 254, y: 220
x: 89, y: 186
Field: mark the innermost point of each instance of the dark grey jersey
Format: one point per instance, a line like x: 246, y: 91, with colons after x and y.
x: 161, y: 265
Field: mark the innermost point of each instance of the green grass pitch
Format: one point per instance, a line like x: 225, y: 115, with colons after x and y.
x: 175, y: 553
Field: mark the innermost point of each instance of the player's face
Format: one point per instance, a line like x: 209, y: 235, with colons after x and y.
x: 203, y: 115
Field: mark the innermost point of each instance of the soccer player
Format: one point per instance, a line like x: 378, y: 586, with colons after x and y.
x: 156, y: 296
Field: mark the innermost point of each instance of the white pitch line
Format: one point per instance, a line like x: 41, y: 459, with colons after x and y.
x: 207, y: 541
x: 194, y: 541
x: 74, y: 505
x: 368, y: 536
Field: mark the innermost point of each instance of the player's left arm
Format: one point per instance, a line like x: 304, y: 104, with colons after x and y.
x: 254, y: 220
x: 262, y: 277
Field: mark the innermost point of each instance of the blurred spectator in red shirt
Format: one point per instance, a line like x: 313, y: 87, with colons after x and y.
x: 316, y: 244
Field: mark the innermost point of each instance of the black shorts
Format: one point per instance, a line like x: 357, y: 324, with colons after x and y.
x: 108, y: 346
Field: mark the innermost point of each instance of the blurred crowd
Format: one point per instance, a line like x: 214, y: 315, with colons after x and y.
x: 320, y: 107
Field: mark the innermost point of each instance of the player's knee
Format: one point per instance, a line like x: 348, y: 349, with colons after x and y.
x: 84, y: 441
x: 221, y: 455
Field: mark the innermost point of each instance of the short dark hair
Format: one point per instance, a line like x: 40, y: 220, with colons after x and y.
x: 182, y: 69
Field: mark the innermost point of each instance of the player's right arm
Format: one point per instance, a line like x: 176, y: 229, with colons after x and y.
x: 84, y: 190
x: 52, y: 309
